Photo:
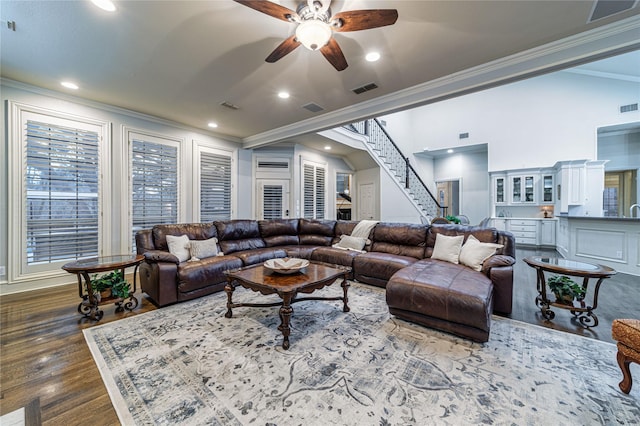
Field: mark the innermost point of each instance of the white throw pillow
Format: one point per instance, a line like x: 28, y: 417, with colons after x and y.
x: 447, y: 248
x: 347, y: 242
x: 179, y: 246
x: 201, y: 249
x: 474, y: 253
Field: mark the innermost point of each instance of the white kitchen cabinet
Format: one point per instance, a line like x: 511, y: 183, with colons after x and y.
x: 546, y: 195
x: 500, y: 224
x: 547, y: 233
x: 525, y: 231
x: 523, y: 189
x: 500, y: 190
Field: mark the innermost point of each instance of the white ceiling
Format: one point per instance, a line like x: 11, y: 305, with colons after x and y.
x: 179, y: 60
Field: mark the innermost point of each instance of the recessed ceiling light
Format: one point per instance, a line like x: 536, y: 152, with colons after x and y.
x: 328, y: 147
x: 372, y: 56
x: 283, y: 95
x: 105, y: 5
x: 212, y: 124
x: 70, y: 85
x: 450, y: 151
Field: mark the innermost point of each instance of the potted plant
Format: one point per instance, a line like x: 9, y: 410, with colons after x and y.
x: 110, y: 284
x: 565, y: 289
x: 453, y: 219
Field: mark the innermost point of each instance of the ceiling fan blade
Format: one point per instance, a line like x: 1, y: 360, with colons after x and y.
x: 283, y: 49
x: 334, y: 54
x: 356, y: 20
x: 271, y: 9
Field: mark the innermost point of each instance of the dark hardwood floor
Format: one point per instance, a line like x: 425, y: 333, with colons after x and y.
x: 43, y: 354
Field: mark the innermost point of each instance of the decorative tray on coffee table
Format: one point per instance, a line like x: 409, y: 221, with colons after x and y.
x: 287, y: 265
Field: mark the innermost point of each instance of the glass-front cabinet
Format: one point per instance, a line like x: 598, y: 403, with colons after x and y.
x: 547, y: 188
x: 523, y: 189
x: 499, y: 190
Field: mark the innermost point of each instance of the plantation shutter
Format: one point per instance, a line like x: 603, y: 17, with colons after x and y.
x: 313, y: 189
x: 62, y: 185
x: 215, y: 187
x: 272, y: 201
x: 154, y: 192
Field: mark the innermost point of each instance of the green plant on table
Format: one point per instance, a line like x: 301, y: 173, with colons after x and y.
x: 565, y: 289
x: 112, y: 280
x: 452, y: 219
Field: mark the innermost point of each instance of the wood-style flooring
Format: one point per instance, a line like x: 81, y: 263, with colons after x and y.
x: 43, y: 354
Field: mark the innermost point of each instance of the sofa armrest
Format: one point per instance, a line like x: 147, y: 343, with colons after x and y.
x: 497, y: 260
x: 160, y: 256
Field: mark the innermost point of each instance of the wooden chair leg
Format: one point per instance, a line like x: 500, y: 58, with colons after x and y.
x: 627, y: 382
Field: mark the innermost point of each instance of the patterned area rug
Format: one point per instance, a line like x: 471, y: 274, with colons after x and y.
x: 187, y: 364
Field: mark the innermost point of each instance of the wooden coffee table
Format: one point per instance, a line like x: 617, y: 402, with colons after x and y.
x: 260, y: 279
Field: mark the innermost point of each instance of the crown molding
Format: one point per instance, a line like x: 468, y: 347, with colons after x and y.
x: 608, y: 40
x: 110, y: 108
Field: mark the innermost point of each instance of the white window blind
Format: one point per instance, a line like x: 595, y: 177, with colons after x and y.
x: 215, y: 187
x: 272, y: 201
x: 62, y: 185
x: 154, y: 191
x: 313, y: 184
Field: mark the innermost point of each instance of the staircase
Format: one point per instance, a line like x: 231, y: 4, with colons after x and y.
x: 381, y: 146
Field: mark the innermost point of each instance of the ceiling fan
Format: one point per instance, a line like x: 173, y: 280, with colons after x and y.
x: 315, y: 26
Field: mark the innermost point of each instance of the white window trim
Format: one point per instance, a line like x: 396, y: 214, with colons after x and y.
x: 17, y: 270
x: 199, y: 147
x: 127, y: 211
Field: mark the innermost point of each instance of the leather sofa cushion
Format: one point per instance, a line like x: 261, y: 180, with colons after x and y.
x: 484, y: 235
x: 443, y: 290
x: 239, y: 235
x: 255, y: 256
x: 279, y: 232
x: 195, y: 231
x: 343, y: 227
x: 334, y: 256
x: 315, y: 232
x: 301, y: 251
x: 400, y: 239
x: 379, y: 265
x: 203, y: 273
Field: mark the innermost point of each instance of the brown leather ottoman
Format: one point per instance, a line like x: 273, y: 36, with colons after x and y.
x: 444, y: 296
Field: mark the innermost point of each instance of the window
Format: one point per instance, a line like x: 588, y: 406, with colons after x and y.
x: 55, y: 190
x: 154, y: 181
x: 215, y: 186
x: 313, y: 190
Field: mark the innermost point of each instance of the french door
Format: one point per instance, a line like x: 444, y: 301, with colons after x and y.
x: 273, y: 198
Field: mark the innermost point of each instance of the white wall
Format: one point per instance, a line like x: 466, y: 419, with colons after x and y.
x: 532, y: 123
x: 471, y: 170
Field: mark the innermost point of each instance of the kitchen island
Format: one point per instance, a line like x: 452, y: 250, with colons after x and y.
x: 611, y: 241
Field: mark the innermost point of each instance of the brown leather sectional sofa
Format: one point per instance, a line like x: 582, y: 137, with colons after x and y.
x: 435, y: 293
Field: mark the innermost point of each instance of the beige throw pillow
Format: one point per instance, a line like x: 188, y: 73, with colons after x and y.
x: 347, y: 242
x: 474, y: 253
x: 447, y: 248
x: 179, y: 246
x: 201, y: 249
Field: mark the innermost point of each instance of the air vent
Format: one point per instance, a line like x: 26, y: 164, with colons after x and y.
x: 313, y: 107
x: 629, y: 108
x: 229, y: 105
x: 463, y: 136
x: 273, y: 164
x: 604, y: 8
x: 365, y: 88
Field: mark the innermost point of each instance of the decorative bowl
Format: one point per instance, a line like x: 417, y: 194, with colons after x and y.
x: 287, y: 265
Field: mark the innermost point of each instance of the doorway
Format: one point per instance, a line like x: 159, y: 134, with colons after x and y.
x: 273, y: 198
x: 448, y: 195
x: 344, y: 206
x: 366, y: 201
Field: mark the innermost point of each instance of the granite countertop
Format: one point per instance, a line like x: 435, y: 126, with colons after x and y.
x: 608, y: 219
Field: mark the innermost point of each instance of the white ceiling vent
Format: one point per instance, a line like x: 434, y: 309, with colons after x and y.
x: 313, y: 107
x: 365, y: 88
x: 604, y: 8
x: 229, y: 105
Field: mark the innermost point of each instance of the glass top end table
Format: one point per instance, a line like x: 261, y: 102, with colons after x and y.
x: 578, y: 307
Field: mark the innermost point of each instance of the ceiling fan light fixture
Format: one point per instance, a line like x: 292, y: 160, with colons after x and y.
x: 313, y: 34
